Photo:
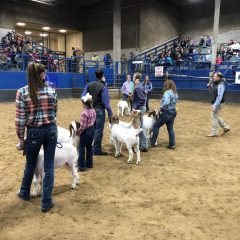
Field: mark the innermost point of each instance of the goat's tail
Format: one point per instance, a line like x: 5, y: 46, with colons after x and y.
x: 138, y: 131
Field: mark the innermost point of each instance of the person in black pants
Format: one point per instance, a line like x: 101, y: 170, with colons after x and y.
x: 86, y: 132
x: 101, y: 102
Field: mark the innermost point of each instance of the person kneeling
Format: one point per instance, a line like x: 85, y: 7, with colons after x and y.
x: 86, y: 132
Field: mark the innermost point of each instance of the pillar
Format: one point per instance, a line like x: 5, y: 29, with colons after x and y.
x: 116, y: 30
x: 7, y: 21
x: 215, y: 33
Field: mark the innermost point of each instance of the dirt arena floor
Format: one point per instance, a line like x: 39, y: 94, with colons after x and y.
x: 191, y: 193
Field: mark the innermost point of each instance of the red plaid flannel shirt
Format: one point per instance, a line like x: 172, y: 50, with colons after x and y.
x: 29, y: 114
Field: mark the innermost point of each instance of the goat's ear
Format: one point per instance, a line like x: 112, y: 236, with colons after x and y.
x: 77, y: 124
x: 150, y: 114
x: 70, y: 129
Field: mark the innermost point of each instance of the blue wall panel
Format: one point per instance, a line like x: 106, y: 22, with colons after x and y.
x: 16, y: 80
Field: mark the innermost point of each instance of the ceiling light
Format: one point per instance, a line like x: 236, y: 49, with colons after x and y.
x: 46, y: 28
x: 28, y: 32
x: 43, y: 34
x: 42, y: 2
x: 21, y: 24
x: 62, y: 30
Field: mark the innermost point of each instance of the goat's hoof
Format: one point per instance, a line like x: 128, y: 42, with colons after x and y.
x: 138, y: 163
x: 34, y: 194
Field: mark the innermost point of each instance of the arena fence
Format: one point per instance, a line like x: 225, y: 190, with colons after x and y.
x: 189, y: 77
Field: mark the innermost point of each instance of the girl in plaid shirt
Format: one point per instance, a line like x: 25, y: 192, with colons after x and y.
x: 86, y: 132
x: 36, y: 109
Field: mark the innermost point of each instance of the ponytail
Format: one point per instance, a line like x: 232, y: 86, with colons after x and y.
x: 35, y: 82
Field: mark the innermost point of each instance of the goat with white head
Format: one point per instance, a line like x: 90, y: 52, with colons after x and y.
x: 149, y: 121
x: 69, y: 136
x: 129, y: 136
x: 65, y: 154
x: 123, y: 108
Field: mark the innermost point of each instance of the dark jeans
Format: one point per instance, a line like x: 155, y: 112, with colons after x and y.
x: 98, y: 132
x: 167, y: 117
x: 36, y: 137
x: 86, y: 140
x: 147, y: 103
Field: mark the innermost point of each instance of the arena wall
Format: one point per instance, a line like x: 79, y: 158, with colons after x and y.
x: 71, y: 85
x: 158, y: 23
x: 198, y: 20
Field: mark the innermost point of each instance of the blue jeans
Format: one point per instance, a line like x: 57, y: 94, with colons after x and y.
x: 143, y: 140
x: 36, y: 137
x: 98, y: 132
x: 86, y: 140
x: 167, y: 117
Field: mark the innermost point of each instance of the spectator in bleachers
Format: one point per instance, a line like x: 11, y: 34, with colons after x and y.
x: 208, y: 41
x: 168, y: 60
x: 201, y: 42
x: 219, y: 60
x: 209, y: 56
x: 107, y: 59
x: 95, y: 57
x: 231, y: 42
x: 4, y: 61
x: 123, y: 64
x: 130, y: 63
x: 26, y: 54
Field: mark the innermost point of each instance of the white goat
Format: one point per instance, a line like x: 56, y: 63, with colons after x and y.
x: 128, y: 136
x: 64, y: 155
x: 69, y: 136
x: 148, y: 122
x: 135, y: 124
x: 123, y: 108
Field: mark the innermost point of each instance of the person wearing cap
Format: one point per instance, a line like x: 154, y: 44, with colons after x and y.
x: 86, y: 132
x: 101, y: 102
x: 217, y: 91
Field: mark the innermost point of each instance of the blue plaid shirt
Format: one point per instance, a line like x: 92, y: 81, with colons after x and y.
x: 221, y: 90
x: 169, y: 100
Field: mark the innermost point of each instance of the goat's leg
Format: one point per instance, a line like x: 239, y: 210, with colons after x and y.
x: 115, y: 143
x: 122, y: 112
x: 118, y: 111
x: 120, y: 147
x: 75, y: 177
x: 37, y: 184
x: 130, y: 158
x: 138, y: 155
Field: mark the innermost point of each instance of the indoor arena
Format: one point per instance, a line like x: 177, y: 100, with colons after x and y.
x: 119, y: 119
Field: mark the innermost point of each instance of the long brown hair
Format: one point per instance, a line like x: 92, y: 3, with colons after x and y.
x: 169, y: 84
x: 35, y: 82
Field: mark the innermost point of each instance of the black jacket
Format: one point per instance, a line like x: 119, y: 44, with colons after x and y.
x: 95, y: 89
